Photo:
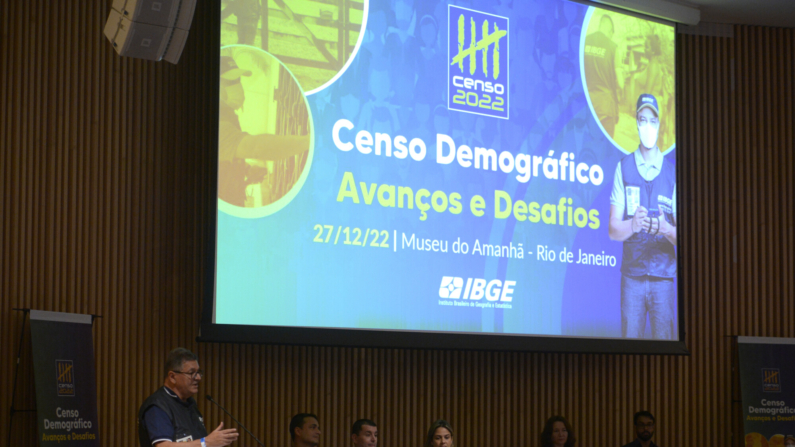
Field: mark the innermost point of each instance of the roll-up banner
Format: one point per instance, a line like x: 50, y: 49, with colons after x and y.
x: 66, y: 386
x: 767, y: 379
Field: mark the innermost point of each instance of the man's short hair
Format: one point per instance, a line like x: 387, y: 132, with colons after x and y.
x: 357, y: 426
x: 298, y: 421
x: 177, y: 357
x: 605, y: 21
x: 643, y: 413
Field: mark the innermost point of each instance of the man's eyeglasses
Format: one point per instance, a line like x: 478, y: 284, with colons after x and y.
x: 191, y: 374
x: 646, y: 425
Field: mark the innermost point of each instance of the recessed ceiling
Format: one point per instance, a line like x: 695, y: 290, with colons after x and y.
x: 777, y: 13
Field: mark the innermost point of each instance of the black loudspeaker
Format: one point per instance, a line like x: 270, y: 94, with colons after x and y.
x: 150, y: 29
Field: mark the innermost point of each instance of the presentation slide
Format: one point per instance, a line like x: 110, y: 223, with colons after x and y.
x: 467, y: 166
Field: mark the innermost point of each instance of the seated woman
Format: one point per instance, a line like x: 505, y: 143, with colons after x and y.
x: 557, y: 433
x: 440, y: 434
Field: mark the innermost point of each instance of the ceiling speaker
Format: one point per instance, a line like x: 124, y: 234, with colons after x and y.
x: 150, y: 29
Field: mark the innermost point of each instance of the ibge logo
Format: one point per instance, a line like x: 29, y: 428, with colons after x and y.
x: 451, y: 287
x: 476, y: 289
x: 65, y: 377
x: 771, y: 380
x: 477, y: 75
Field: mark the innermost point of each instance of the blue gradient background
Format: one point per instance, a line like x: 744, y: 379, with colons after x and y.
x: 270, y: 272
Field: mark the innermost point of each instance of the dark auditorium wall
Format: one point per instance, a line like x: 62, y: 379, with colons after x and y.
x: 104, y: 180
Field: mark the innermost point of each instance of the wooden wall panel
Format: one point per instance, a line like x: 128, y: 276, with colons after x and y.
x: 105, y: 164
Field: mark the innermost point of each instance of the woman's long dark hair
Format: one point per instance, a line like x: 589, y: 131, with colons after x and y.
x: 441, y: 423
x: 546, y: 435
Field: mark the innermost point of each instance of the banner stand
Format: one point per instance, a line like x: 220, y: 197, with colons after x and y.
x: 13, y: 411
x: 766, y: 368
x: 16, y: 374
x: 736, y: 401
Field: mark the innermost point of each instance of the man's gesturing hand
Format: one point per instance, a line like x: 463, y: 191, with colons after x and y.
x: 220, y: 437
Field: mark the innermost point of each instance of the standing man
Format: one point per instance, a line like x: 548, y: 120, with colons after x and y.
x: 247, y: 13
x: 170, y: 416
x: 644, y: 428
x: 364, y: 433
x: 304, y: 430
x: 600, y: 72
x: 643, y: 217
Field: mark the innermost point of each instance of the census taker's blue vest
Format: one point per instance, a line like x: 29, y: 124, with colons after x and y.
x: 645, y: 254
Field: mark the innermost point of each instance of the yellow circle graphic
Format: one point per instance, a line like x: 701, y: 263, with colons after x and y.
x: 623, y: 57
x: 265, y: 142
x: 315, y: 39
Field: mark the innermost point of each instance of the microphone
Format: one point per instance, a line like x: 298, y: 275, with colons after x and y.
x: 233, y: 418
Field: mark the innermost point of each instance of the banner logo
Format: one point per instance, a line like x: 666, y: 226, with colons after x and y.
x: 65, y: 377
x: 477, y: 74
x: 771, y: 380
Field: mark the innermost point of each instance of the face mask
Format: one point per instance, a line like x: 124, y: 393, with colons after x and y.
x: 648, y: 135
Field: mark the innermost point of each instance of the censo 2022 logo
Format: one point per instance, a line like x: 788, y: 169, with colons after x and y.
x: 477, y: 74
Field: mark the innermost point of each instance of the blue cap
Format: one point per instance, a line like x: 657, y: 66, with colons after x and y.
x: 647, y: 100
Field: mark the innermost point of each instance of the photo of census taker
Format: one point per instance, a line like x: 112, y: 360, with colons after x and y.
x: 264, y: 129
x: 622, y: 57
x: 643, y: 218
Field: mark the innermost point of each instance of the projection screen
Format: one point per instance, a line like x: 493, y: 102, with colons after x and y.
x: 445, y: 174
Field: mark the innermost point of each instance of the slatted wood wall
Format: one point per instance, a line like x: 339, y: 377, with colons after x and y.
x: 105, y: 167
